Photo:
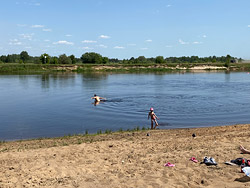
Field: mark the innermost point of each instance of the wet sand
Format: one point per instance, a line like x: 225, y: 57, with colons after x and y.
x: 128, y: 159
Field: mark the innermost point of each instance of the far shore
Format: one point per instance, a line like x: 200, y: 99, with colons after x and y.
x: 11, y: 67
x: 127, y: 159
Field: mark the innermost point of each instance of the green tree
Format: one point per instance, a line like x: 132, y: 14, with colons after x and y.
x: 141, y: 59
x: 73, y: 59
x: 64, y: 59
x: 3, y: 58
x: 53, y: 60
x: 24, y: 56
x: 105, y: 60
x: 159, y: 59
x: 228, y: 60
x: 45, y: 58
x: 92, y: 57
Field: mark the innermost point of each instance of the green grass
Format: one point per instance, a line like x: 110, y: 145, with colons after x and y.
x: 99, y: 132
x: 86, y: 132
x: 65, y: 140
x: 108, y: 131
x: 114, y: 67
x: 2, y: 141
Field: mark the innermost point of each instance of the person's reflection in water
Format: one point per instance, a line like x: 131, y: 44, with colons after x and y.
x: 96, y: 103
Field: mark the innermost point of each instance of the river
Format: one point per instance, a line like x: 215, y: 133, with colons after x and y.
x: 51, y: 105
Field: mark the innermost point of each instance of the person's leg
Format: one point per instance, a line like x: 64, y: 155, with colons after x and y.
x: 243, y: 150
x: 152, y: 124
x: 156, y: 123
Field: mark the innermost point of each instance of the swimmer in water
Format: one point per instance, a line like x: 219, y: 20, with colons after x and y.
x: 97, y: 98
x: 153, y: 118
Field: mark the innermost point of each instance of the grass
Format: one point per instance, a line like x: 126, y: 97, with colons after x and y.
x: 86, y: 132
x: 2, y: 141
x: 112, y: 67
x: 66, y: 140
x: 108, y: 131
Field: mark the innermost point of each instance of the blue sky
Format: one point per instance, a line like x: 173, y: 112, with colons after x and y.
x: 126, y: 28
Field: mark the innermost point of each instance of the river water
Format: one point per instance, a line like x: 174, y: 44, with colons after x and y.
x: 50, y: 105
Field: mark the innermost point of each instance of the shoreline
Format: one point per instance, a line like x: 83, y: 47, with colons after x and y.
x: 127, y: 159
x: 42, y: 68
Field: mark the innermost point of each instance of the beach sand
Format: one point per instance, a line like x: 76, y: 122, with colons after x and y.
x: 128, y: 159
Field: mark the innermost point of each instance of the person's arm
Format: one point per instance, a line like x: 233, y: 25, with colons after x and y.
x: 148, y: 115
x: 243, y: 150
x: 156, y: 116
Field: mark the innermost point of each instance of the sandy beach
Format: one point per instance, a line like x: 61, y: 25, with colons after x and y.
x: 128, y: 159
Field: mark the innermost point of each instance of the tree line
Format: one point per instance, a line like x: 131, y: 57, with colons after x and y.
x: 95, y: 58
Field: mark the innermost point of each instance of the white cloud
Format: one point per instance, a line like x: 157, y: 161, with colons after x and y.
x: 204, y: 36
x: 37, y: 26
x: 64, y: 42
x: 15, y: 42
x: 87, y: 48
x: 104, y: 37
x: 47, y: 30
x: 89, y: 41
x: 131, y: 44
x: 182, y: 42
x: 118, y: 47
x: 28, y: 47
x: 248, y: 26
x: 21, y: 25
x: 144, y: 48
x: 168, y: 6
x: 196, y: 42
x: 46, y: 40
x: 149, y: 40
x: 29, y: 3
x: 68, y: 35
x: 101, y: 46
x: 169, y: 46
x: 27, y: 36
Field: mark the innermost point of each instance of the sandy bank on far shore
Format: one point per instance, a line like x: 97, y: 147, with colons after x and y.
x: 127, y: 159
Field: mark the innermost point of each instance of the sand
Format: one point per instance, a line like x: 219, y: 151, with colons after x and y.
x: 129, y: 159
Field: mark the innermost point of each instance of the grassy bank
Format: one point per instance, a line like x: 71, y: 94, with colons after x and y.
x: 36, y: 68
x: 70, y: 139
x: 41, y: 68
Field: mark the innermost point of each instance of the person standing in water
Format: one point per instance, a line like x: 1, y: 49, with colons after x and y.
x: 153, y: 117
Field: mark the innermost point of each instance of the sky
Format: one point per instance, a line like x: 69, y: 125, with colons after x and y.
x: 126, y: 28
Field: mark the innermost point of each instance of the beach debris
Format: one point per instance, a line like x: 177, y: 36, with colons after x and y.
x: 239, y: 161
x: 169, y: 164
x: 193, y: 135
x: 111, y: 146
x: 193, y: 159
x: 246, y: 170
x: 148, y: 134
x: 230, y: 163
x: 209, y: 161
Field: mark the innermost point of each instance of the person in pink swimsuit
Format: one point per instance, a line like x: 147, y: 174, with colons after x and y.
x: 153, y: 117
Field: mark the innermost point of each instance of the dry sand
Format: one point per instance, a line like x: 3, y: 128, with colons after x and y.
x: 127, y: 159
